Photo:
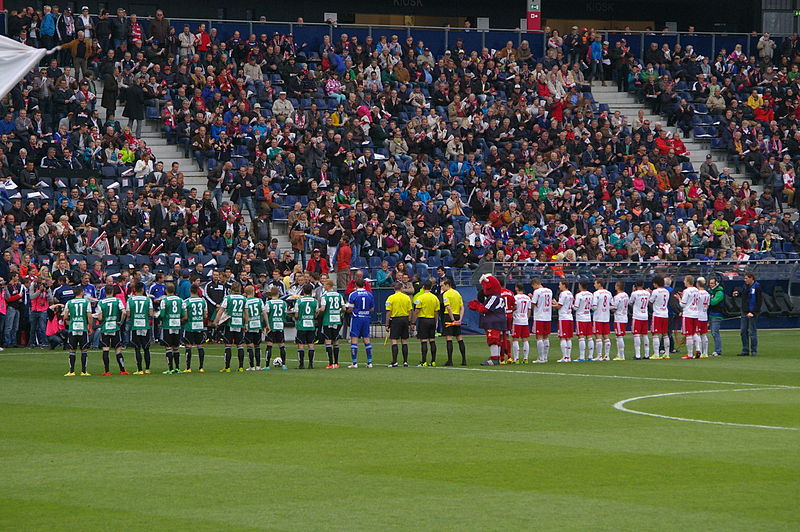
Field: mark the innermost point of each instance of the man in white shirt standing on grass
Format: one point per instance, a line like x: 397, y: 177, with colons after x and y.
x: 565, y: 324
x: 689, y: 300
x: 601, y: 305
x: 542, y: 318
x: 639, y: 300
x: 583, y: 318
x: 620, y: 305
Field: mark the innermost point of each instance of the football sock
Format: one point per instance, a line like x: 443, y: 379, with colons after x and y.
x: 240, y: 355
x: 354, y: 353
x: 463, y: 348
x: 423, y: 346
x: 665, y: 343
x: 656, y: 345
x: 598, y: 348
x: 369, y: 353
x: 176, y: 357
x: 494, y: 352
x: 105, y: 360
x: 138, y: 352
x: 268, y: 355
x: 621, y: 346
x: 514, y: 349
x: 526, y: 349
x: 188, y: 358
x: 540, y: 348
x: 329, y: 352
x: 690, y: 345
x: 147, y: 357
x: 646, y: 346
x: 84, y: 360
x: 546, y: 348
x: 301, y: 356
x: 72, y: 362
x: 227, y: 357
x: 251, y: 357
x: 697, y: 342
x: 433, y: 352
x: 121, y: 361
x: 581, y: 347
x: 704, y: 343
x: 336, y: 354
x: 404, y: 349
x: 564, y: 348
x: 258, y: 356
x: 590, y: 347
x: 449, y: 351
x: 283, y: 354
x: 394, y: 353
x: 607, y: 343
x: 201, y: 356
x: 311, y: 355
x: 637, y: 345
x: 169, y: 358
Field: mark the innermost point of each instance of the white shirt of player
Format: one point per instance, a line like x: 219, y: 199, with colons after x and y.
x: 660, y: 300
x: 689, y: 301
x: 639, y: 301
x: 703, y: 301
x: 522, y: 311
x: 542, y: 304
x: 620, y: 305
x: 583, y: 306
x: 601, y: 304
x: 565, y: 299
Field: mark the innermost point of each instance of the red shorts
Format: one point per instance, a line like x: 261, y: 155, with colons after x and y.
x: 492, y: 337
x: 701, y: 327
x: 521, y: 331
x: 689, y: 326
x: 602, y: 327
x: 660, y: 325
x: 566, y: 329
x: 585, y: 328
x: 639, y: 326
x: 619, y: 328
x: 542, y: 328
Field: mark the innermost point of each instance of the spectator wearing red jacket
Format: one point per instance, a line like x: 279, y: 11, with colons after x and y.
x: 317, y: 263
x: 343, y: 259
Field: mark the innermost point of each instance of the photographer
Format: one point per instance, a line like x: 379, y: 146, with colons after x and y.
x: 39, y: 290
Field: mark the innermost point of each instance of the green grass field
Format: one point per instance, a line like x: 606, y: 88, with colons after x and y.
x: 504, y: 448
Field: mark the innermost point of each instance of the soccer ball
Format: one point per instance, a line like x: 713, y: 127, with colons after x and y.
x: 278, y: 362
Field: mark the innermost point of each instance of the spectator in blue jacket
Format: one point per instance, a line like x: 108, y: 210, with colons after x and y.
x: 752, y: 299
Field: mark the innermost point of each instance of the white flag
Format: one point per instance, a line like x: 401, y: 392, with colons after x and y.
x: 16, y: 60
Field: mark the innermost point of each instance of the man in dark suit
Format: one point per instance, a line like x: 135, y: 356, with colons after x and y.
x: 159, y: 217
x: 752, y: 299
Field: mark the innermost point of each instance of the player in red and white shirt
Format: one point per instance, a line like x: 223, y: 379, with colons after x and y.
x: 701, y: 329
x: 522, y: 328
x: 640, y: 299
x: 583, y: 318
x: 565, y: 323
x: 619, y: 304
x: 659, y: 297
x: 542, y: 300
x: 505, y: 348
x: 601, y: 305
x: 689, y: 300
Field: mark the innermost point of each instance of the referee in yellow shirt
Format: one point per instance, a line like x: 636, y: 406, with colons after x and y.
x: 453, y: 305
x: 398, y: 311
x: 426, y: 306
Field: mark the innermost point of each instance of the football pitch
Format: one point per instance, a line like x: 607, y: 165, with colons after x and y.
x: 501, y: 448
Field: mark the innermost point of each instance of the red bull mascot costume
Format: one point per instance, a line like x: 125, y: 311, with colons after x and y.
x: 491, y: 306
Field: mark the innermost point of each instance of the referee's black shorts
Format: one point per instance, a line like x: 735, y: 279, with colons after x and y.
x: 453, y: 330
x: 426, y: 328
x: 398, y: 328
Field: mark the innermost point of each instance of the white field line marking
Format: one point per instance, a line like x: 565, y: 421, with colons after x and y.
x: 624, y: 377
x: 620, y: 405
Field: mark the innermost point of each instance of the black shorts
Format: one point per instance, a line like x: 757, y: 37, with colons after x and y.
x: 252, y: 337
x: 453, y: 330
x: 140, y: 340
x: 194, y: 337
x: 398, y: 328
x: 112, y: 341
x: 426, y: 328
x: 275, y: 337
x: 306, y: 337
x: 331, y: 333
x: 231, y: 337
x: 77, y: 341
x: 171, y: 337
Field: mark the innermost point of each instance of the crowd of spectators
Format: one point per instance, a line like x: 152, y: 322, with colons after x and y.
x: 378, y: 154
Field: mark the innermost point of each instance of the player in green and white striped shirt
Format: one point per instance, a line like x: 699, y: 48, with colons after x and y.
x: 140, y: 310
x: 170, y: 313
x: 76, y: 314
x: 110, y: 314
x: 233, y: 307
x: 254, y: 321
x: 195, y: 313
x: 331, y: 306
